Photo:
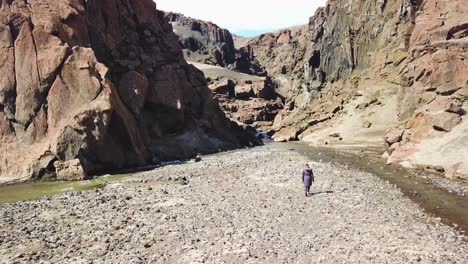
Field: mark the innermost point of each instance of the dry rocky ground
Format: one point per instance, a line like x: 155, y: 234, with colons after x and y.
x: 240, y: 207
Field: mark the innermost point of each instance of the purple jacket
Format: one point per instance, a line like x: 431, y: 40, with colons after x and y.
x: 307, y: 177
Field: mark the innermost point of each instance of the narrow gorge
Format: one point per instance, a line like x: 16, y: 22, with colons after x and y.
x: 131, y: 132
x: 389, y: 74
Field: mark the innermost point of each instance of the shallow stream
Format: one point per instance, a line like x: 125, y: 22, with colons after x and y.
x: 33, y: 190
x: 450, y: 207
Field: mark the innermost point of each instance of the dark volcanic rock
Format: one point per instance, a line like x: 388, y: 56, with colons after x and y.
x: 101, y: 83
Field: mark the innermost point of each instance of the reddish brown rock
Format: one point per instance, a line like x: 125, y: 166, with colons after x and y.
x: 7, y: 71
x: 99, y: 86
x: 51, y: 53
x: 133, y: 88
x: 28, y: 99
x: 6, y: 130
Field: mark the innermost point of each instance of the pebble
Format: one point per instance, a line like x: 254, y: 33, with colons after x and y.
x: 241, y: 206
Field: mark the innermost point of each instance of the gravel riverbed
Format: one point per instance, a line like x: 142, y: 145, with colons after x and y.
x: 246, y: 206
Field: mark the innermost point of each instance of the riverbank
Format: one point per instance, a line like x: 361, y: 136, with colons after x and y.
x: 245, y: 206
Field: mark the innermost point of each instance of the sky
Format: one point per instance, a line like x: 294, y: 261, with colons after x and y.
x: 246, y: 17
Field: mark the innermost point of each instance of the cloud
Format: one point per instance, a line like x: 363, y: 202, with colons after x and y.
x: 240, y: 15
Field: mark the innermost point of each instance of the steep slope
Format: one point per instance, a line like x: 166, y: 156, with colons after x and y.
x: 203, y: 42
x: 363, y: 67
x: 96, y: 85
x: 253, y: 100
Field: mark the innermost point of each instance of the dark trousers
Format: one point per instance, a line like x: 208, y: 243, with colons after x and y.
x: 307, y: 188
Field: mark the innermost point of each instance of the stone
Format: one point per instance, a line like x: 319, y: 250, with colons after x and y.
x: 445, y: 121
x: 385, y: 155
x: 225, y: 86
x: 286, y: 134
x: 366, y: 124
x: 407, y: 164
x: 6, y: 129
x: 394, y: 147
x: 133, y: 88
x: 263, y: 89
x: 28, y: 99
x: 70, y: 170
x: 406, y: 136
x: 51, y: 53
x: 7, y: 64
x: 393, y: 135
x: 456, y: 109
x: 451, y: 172
x: 244, y: 91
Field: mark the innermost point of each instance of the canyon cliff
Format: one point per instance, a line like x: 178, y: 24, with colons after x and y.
x: 93, y: 86
x: 376, y: 72
x: 202, y: 41
x: 371, y: 73
x: 238, y: 83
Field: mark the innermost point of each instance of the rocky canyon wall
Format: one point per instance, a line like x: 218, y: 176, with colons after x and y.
x: 90, y: 86
x: 203, y: 42
x: 361, y: 68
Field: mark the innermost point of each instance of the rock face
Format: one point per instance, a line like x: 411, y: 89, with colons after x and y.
x: 203, y: 42
x: 94, y: 85
x: 247, y: 99
x: 251, y: 98
x: 280, y: 55
x: 392, y: 64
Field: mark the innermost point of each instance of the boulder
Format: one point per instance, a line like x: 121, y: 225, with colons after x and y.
x: 263, y: 89
x: 456, y: 109
x: 452, y: 172
x: 286, y: 134
x: 70, y: 170
x: 445, y: 121
x: 244, y: 91
x: 225, y: 86
x: 366, y: 124
x: 385, y: 155
x: 393, y: 136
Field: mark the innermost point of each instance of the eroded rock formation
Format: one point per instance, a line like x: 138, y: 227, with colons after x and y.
x: 202, y: 41
x: 247, y: 99
x: 362, y: 67
x: 88, y: 86
x: 251, y: 98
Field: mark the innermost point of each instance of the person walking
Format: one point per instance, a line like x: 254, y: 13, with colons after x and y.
x: 307, y: 179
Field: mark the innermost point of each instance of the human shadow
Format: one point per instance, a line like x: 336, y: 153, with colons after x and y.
x: 315, y: 193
